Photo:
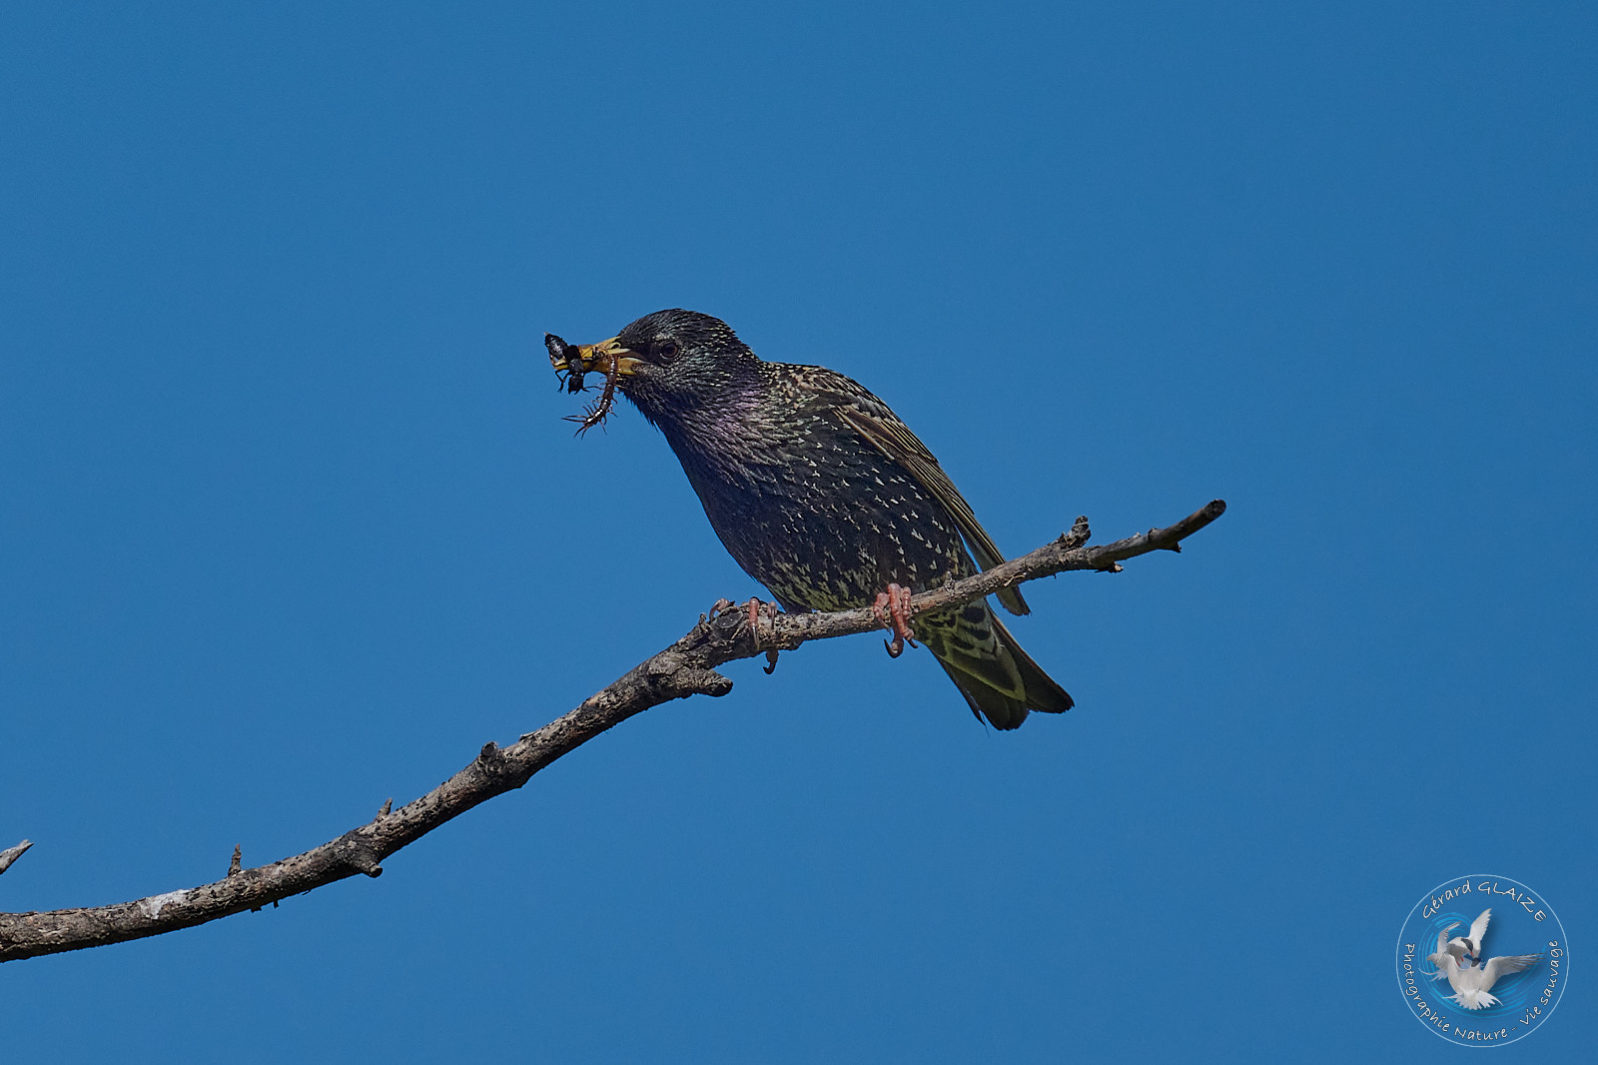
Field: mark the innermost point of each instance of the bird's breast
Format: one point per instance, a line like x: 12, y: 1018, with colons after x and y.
x: 818, y: 516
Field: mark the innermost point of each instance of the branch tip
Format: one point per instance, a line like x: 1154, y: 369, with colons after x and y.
x: 11, y: 854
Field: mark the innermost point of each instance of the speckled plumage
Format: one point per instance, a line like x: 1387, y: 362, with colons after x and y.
x: 825, y: 497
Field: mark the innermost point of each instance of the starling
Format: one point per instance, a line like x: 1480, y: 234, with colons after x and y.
x: 822, y: 494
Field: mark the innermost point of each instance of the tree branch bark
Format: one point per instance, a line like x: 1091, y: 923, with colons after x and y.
x: 11, y: 854
x: 687, y: 667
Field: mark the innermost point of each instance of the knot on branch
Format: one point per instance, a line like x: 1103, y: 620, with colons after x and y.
x: 355, y: 852
x: 675, y: 677
x: 492, y: 762
x: 695, y: 681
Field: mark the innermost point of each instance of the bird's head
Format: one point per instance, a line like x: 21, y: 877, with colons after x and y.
x: 673, y: 363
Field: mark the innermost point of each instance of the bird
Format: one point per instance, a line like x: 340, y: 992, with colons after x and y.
x: 1471, y: 983
x: 1454, y: 948
x: 822, y: 494
x: 1470, y: 946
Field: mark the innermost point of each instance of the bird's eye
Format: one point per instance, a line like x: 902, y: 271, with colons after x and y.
x: 666, y: 349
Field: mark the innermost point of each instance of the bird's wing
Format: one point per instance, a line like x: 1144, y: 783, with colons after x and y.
x: 1478, y: 928
x: 872, y: 419
x: 1442, y: 938
x: 1509, y: 963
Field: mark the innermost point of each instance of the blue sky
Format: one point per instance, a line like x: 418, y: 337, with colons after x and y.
x: 292, y: 524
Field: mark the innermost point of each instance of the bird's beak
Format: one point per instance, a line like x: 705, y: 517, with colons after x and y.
x: 599, y: 356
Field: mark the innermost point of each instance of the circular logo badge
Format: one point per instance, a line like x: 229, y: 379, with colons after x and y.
x: 1482, y: 960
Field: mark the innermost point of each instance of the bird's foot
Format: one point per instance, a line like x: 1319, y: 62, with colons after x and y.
x: 892, y: 608
x: 718, y: 608
x: 757, y: 611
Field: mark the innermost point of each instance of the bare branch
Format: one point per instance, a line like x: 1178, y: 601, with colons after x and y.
x: 11, y: 854
x: 687, y: 667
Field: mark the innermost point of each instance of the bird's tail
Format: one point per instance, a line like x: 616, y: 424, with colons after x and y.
x: 1475, y: 999
x: 998, y: 679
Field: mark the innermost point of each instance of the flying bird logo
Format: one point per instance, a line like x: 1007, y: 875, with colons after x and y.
x: 1456, y: 985
x: 1459, y: 961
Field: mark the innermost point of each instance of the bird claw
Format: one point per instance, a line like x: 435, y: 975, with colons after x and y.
x: 892, y: 608
x: 758, y: 610
x: 718, y: 608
